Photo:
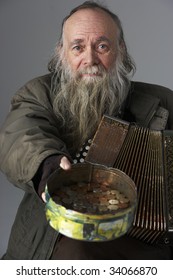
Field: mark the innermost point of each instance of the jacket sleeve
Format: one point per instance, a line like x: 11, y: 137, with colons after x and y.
x: 28, y: 135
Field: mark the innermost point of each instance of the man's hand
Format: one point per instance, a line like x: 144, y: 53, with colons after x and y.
x: 64, y: 164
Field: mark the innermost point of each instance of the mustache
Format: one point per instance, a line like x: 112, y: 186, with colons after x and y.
x: 95, y: 71
x: 92, y: 70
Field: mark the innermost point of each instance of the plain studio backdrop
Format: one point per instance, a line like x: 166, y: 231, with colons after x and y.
x: 29, y: 31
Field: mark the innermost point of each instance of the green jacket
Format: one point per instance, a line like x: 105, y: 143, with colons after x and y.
x: 31, y: 133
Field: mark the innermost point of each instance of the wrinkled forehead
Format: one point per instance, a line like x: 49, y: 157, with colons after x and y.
x: 90, y: 22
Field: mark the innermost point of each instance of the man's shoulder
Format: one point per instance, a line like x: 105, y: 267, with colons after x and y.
x: 40, y: 81
x: 154, y: 90
x: 146, y: 98
x: 36, y: 89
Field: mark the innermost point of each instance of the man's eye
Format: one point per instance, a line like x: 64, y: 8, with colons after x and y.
x: 77, y: 48
x: 102, y: 48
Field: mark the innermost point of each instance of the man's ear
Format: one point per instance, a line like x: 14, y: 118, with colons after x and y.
x: 122, y: 47
x: 59, y: 47
x: 60, y: 50
x: 122, y: 50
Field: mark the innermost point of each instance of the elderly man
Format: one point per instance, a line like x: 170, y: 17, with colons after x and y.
x: 53, y: 116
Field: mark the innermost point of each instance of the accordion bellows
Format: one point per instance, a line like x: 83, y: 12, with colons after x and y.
x: 146, y: 156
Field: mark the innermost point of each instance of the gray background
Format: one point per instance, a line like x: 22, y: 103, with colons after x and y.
x: 29, y: 31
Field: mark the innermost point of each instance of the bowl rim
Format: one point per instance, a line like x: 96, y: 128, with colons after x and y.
x: 61, y: 210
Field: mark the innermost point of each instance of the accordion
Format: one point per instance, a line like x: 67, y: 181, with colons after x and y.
x: 146, y: 156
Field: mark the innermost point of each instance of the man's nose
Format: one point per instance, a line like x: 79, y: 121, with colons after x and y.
x: 90, y: 57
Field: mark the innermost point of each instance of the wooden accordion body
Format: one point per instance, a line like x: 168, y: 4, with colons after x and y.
x: 147, y: 157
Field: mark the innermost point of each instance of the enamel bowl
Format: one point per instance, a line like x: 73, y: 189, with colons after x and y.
x: 78, y: 215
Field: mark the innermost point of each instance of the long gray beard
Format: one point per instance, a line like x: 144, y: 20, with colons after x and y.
x: 79, y: 104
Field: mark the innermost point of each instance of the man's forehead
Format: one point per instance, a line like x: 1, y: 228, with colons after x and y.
x: 90, y: 22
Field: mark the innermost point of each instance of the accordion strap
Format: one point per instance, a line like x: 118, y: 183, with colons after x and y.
x: 147, y: 112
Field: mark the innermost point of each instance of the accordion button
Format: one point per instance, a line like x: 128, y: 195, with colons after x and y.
x: 166, y: 240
